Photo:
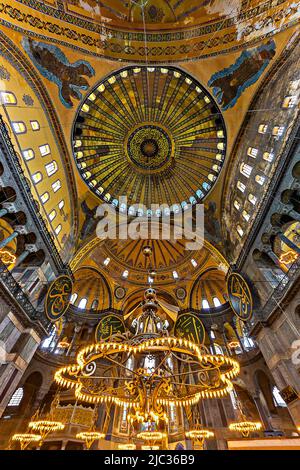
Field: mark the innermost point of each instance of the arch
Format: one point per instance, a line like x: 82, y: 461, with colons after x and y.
x: 91, y: 284
x: 208, y: 285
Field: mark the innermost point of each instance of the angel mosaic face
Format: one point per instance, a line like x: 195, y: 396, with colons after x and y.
x: 152, y: 134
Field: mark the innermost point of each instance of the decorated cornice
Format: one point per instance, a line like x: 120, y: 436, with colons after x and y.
x: 38, y: 19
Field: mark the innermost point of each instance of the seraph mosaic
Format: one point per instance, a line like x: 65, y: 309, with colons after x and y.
x: 229, y: 84
x: 54, y: 65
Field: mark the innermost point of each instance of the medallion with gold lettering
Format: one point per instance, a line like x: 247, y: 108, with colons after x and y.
x: 239, y: 296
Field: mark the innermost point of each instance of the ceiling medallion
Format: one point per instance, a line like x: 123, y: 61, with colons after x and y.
x: 149, y: 148
x: 152, y: 134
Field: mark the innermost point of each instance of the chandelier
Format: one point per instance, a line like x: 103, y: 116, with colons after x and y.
x: 25, y: 439
x: 90, y: 437
x: 245, y: 427
x: 151, y: 435
x: 46, y: 425
x: 116, y: 372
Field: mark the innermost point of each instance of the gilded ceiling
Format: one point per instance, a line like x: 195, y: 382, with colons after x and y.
x: 164, y: 31
x: 151, y: 134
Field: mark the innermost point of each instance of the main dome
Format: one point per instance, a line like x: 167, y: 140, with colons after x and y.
x: 152, y: 134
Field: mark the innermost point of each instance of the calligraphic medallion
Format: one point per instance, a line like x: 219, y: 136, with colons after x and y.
x: 109, y: 325
x: 190, y: 327
x: 58, y: 297
x: 239, y: 296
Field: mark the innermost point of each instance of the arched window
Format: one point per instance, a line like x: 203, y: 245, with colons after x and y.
x: 106, y: 261
x: 268, y: 156
x: 241, y: 186
x: 262, y: 128
x: 17, y: 397
x: 58, y: 229
x: 52, y: 215
x: 278, y: 131
x: 19, y: 127
x: 237, y: 205
x: 279, y: 401
x: 28, y: 154
x: 73, y: 298
x: 260, y: 179
x: 61, y: 204
x: 44, y: 149
x: 45, y: 197
x: 37, y: 177
x: 56, y: 186
x: 47, y: 342
x: 239, y: 230
x: 51, y: 168
x: 95, y: 304
x: 246, y: 215
x: 125, y: 273
x: 218, y: 349
x: 216, y: 302
x: 246, y: 169
x: 175, y: 275
x: 35, y: 125
x: 7, y: 97
x: 252, y: 152
x: 252, y: 199
x: 194, y: 263
x: 82, y: 304
x: 212, y: 334
x: 205, y: 304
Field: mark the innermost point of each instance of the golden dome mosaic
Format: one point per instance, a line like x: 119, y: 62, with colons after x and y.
x: 152, y: 134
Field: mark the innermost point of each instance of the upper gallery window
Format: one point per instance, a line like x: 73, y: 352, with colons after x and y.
x: 252, y: 152
x: 278, y: 131
x: 245, y: 169
x: 194, y: 263
x: 240, y: 231
x: 246, y: 215
x: 175, y: 275
x: 252, y: 199
x: 19, y: 127
x: 17, y: 397
x: 106, y: 261
x: 37, y: 177
x: 45, y: 197
x: 61, y: 204
x: 268, y: 156
x: 35, y: 125
x: 28, y: 154
x: 237, y: 205
x: 7, y: 97
x: 290, y: 101
x: 44, y: 149
x: 125, y: 273
x: 52, y: 215
x: 56, y: 185
x: 205, y: 304
x: 82, y: 304
x: 58, y: 229
x: 51, y: 168
x: 241, y: 186
x: 260, y: 179
x: 279, y: 401
x: 262, y: 128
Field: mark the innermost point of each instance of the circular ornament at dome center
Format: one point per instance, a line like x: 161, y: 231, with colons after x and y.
x: 149, y: 148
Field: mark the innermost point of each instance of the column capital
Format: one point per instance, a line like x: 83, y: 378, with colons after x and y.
x: 31, y: 248
x: 10, y: 207
x: 21, y: 229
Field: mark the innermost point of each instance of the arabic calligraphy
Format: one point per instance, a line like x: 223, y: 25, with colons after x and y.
x: 240, y: 297
x: 189, y: 326
x: 58, y: 297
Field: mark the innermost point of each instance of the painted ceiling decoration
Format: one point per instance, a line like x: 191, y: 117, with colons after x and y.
x: 165, y: 30
x: 153, y: 134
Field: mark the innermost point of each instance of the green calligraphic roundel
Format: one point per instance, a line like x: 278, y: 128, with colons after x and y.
x: 58, y: 298
x: 239, y: 296
x: 109, y: 325
x: 190, y: 327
